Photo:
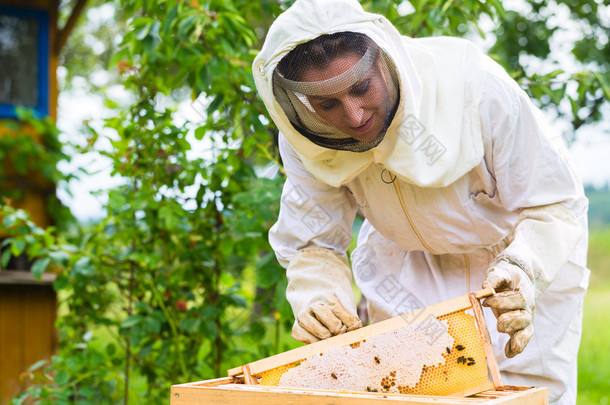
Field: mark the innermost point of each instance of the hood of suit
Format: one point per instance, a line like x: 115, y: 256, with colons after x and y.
x: 434, y: 137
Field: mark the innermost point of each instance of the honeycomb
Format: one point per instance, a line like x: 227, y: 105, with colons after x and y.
x: 462, y: 364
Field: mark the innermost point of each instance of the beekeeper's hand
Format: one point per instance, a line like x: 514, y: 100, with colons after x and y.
x: 513, y: 304
x: 323, y: 320
x: 320, y: 293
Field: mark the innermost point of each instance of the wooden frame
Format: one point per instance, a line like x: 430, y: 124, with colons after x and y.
x: 251, y: 370
x: 241, y: 387
x: 232, y: 390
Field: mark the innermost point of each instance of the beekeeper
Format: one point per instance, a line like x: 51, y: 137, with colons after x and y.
x: 461, y: 182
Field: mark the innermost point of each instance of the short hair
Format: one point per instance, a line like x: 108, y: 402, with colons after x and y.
x: 319, y: 52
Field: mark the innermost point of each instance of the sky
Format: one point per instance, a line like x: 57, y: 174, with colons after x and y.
x: 590, y: 152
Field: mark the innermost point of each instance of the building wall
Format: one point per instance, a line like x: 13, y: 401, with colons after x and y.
x: 27, y: 332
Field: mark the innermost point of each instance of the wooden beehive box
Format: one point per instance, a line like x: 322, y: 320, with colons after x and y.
x: 231, y: 390
x: 386, y: 361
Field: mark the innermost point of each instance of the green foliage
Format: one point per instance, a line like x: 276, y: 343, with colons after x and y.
x: 30, y: 152
x: 436, y: 17
x: 523, y: 36
x: 22, y: 237
x: 162, y: 277
x: 90, y: 46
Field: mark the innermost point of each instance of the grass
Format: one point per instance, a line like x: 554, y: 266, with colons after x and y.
x: 594, y: 353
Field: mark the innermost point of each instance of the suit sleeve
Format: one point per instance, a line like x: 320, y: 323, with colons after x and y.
x: 534, y: 178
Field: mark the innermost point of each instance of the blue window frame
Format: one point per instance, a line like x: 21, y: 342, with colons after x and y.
x: 24, y: 60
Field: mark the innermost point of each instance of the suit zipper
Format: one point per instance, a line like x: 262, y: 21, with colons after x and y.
x: 467, y: 264
x: 421, y: 239
x: 404, y: 209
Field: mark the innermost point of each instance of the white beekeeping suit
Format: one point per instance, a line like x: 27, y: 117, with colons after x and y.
x: 465, y: 185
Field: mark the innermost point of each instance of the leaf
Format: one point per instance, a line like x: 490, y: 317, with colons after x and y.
x: 200, y: 133
x: 190, y: 325
x: 6, y: 256
x: 209, y: 312
x: 154, y: 30
x: 152, y: 324
x: 61, y: 377
x: 267, y: 271
x: 84, y: 267
x: 61, y: 282
x: 280, y: 301
x: 111, y: 349
x: 169, y: 19
x: 256, y: 332
x: 167, y: 216
x: 39, y: 267
x: 116, y: 200
x: 237, y: 300
x: 186, y: 24
x: 37, y: 365
x: 143, y: 32
x: 9, y: 220
x: 17, y: 247
x: 215, y: 103
x: 131, y: 321
x: 604, y: 85
x: 59, y: 256
x: 210, y: 330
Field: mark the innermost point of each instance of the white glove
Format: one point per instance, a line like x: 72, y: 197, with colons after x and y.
x: 320, y: 293
x: 512, y: 304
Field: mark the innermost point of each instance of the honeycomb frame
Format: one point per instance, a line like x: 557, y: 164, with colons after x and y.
x: 464, y: 371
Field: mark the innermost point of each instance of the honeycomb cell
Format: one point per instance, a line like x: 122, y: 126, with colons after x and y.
x: 463, y: 364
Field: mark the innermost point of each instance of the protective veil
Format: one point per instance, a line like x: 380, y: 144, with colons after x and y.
x: 366, y: 84
x: 467, y: 185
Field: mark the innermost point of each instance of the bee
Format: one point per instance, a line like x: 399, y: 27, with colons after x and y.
x: 387, y: 387
x: 448, y: 350
x: 368, y: 389
x: 460, y: 347
x: 470, y: 359
x: 377, y: 360
x: 472, y: 363
x: 333, y: 375
x: 461, y: 359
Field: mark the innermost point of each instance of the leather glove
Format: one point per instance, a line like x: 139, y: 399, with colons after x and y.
x: 323, y: 320
x: 512, y: 304
x: 320, y: 293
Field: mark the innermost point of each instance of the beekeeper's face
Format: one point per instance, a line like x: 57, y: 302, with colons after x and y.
x: 360, y: 110
x: 339, y: 90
